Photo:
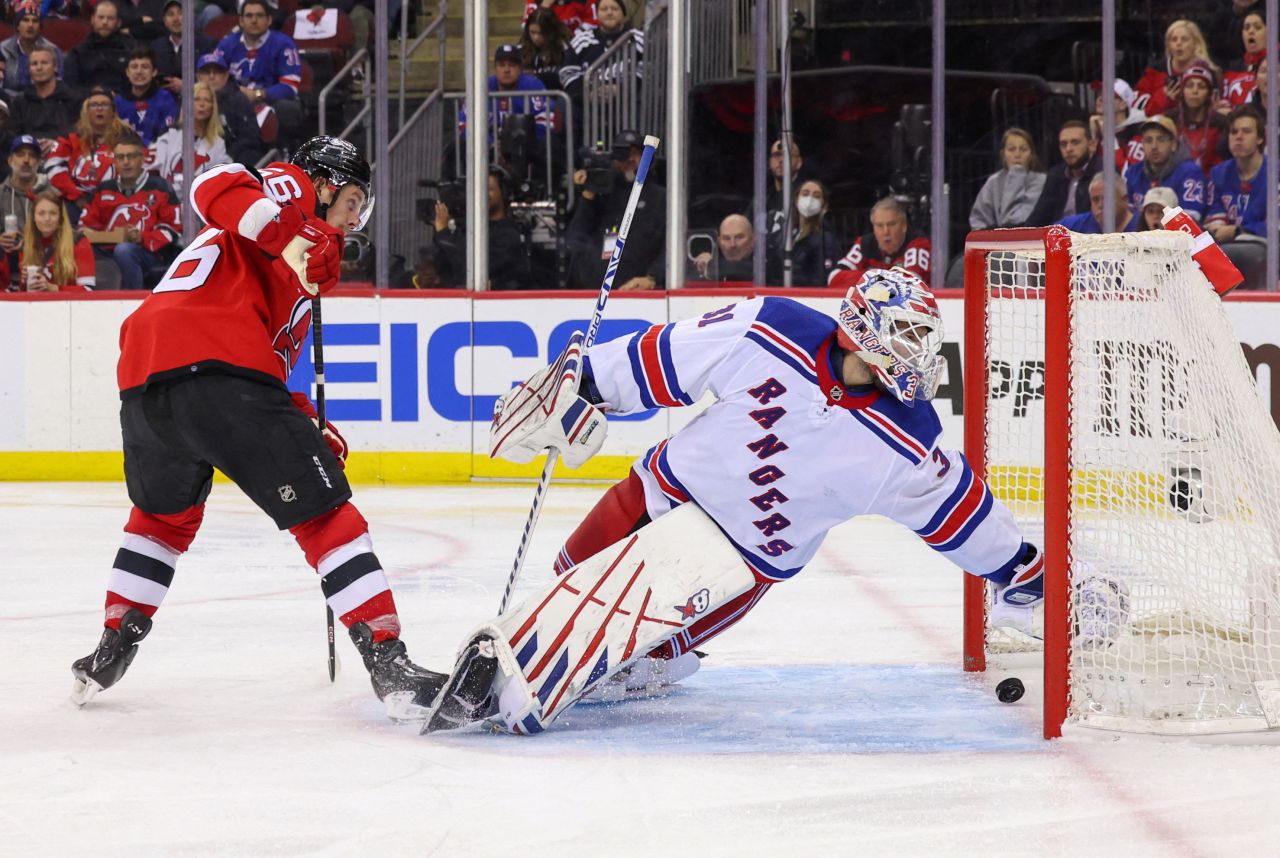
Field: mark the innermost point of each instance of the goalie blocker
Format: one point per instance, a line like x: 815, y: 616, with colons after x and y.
x: 523, y: 669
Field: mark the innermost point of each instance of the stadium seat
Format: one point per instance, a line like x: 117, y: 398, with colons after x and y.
x: 6, y: 30
x: 221, y: 26
x: 325, y: 52
x: 66, y: 33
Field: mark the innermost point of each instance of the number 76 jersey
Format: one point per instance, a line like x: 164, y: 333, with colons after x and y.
x: 786, y: 452
x: 221, y: 307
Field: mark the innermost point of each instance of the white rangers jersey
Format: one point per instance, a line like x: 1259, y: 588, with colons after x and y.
x: 787, y: 452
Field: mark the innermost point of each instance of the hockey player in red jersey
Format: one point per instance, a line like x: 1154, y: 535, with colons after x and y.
x: 203, y: 363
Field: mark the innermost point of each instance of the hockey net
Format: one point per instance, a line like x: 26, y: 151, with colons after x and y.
x: 1109, y: 404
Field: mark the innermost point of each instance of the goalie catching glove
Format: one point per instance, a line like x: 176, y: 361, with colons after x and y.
x: 332, y: 437
x: 308, y: 251
x: 546, y: 411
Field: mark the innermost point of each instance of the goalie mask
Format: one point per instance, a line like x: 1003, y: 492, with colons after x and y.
x: 891, y: 321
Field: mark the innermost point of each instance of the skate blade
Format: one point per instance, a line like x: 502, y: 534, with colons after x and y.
x: 83, y: 690
x: 400, y: 707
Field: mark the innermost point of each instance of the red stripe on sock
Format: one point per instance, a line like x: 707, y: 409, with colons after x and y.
x: 381, y: 605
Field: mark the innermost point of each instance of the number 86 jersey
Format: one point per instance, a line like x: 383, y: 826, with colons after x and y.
x: 221, y: 307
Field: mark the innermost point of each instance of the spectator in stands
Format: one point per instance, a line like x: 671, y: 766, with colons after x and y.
x: 18, y: 190
x: 1128, y: 122
x: 1066, y: 185
x: 1090, y: 222
x: 102, y: 58
x: 543, y: 46
x: 1166, y: 163
x: 509, y: 76
x: 815, y: 248
x: 245, y: 140
x: 144, y: 207
x: 891, y: 242
x: 145, y: 107
x: 572, y: 14
x: 85, y: 158
x: 1153, y: 205
x: 590, y: 43
x: 16, y: 48
x: 1258, y: 101
x: 508, y: 257
x: 593, y: 232
x: 1240, y: 78
x: 1008, y: 196
x: 48, y: 108
x: 165, y: 157
x: 1200, y: 128
x: 143, y: 20
x: 773, y: 204
x: 266, y: 65
x: 735, y: 261
x: 168, y: 48
x: 52, y: 259
x: 1236, y: 216
x: 1224, y: 20
x: 1158, y: 88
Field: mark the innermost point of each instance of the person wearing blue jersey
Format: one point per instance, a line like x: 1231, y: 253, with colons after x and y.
x: 1090, y: 222
x: 1165, y: 164
x: 266, y: 65
x: 145, y: 106
x: 1237, y: 199
x: 507, y: 79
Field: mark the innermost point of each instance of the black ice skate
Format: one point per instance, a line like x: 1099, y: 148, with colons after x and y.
x: 105, y: 665
x: 406, y: 689
x: 467, y: 698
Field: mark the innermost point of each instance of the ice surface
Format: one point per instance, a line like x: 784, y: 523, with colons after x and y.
x: 833, y: 720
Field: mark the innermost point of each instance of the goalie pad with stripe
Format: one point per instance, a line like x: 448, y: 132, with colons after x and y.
x: 607, y: 612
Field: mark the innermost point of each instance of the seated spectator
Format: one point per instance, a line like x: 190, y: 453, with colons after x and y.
x: 509, y: 76
x: 1066, y: 185
x: 143, y: 206
x: 815, y: 248
x: 593, y: 231
x: 101, y: 59
x: 168, y: 49
x: 16, y: 48
x: 145, y: 107
x: 773, y: 205
x: 1007, y: 197
x: 1236, y: 216
x: 1128, y: 120
x: 1258, y: 101
x: 18, y: 190
x: 589, y: 44
x: 572, y: 14
x: 52, y: 259
x: 735, y: 261
x: 1166, y: 163
x: 1153, y: 206
x: 48, y: 108
x: 508, y: 257
x: 1200, y: 129
x: 245, y: 139
x: 543, y: 46
x: 85, y: 158
x: 891, y: 243
x: 1240, y: 78
x: 266, y: 65
x: 1158, y: 88
x: 1090, y: 222
x: 165, y: 157
x: 142, y: 20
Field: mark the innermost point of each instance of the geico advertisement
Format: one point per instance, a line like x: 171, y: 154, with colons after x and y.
x: 421, y: 374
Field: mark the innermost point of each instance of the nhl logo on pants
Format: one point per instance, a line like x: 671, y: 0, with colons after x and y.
x: 287, y: 494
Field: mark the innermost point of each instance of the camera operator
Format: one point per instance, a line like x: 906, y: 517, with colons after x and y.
x: 508, y: 259
x: 593, y: 232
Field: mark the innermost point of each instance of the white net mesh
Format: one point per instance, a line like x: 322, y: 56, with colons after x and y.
x: 1175, y: 462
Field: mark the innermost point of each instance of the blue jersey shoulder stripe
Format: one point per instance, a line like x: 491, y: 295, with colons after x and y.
x: 894, y: 444
x: 637, y: 371
x: 669, y: 367
x: 804, y: 326
x: 781, y: 354
x: 921, y: 422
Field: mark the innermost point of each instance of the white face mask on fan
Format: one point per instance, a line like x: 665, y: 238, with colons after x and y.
x: 809, y: 206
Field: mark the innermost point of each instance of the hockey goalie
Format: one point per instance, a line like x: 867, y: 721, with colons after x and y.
x: 815, y: 420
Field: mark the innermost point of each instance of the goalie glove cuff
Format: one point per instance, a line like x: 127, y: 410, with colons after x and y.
x: 1025, y: 587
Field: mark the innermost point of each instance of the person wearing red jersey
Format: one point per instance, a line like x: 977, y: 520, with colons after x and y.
x: 203, y: 363
x: 84, y: 159
x: 890, y: 244
x: 1157, y: 90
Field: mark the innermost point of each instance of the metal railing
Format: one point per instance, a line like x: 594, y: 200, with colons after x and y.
x: 653, y: 94
x: 611, y: 90
x: 407, y: 52
x: 713, y: 28
x: 415, y: 154
x: 359, y: 60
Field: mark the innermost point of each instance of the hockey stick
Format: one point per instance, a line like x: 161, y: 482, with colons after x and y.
x: 317, y: 358
x: 650, y: 146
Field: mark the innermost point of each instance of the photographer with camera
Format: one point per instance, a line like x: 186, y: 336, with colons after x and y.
x: 593, y: 232
x: 508, y: 258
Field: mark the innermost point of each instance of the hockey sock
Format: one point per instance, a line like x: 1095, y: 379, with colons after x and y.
x: 619, y: 513
x: 143, y: 569
x: 337, y: 544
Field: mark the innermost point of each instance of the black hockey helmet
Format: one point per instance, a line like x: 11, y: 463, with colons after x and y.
x: 339, y: 162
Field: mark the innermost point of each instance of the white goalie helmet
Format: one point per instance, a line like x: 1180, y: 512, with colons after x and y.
x: 891, y: 320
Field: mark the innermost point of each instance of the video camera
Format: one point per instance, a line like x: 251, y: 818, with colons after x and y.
x: 453, y: 194
x: 598, y: 164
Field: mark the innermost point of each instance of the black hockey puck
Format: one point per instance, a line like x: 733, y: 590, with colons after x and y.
x: 1010, y: 690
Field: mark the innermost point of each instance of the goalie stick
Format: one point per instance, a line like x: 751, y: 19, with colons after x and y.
x: 539, y: 495
x: 317, y: 358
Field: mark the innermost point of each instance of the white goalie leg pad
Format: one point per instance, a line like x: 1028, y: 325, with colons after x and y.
x: 607, y: 612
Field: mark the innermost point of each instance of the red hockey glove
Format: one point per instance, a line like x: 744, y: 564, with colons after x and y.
x: 279, y: 232
x: 336, y: 442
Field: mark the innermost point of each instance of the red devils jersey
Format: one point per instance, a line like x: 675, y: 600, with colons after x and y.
x: 865, y: 255
x: 221, y: 307
x: 75, y: 173
x: 148, y: 206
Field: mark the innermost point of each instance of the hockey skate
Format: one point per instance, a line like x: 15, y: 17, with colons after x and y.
x: 405, y: 689
x: 468, y: 696
x: 103, y: 667
x: 648, y: 677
